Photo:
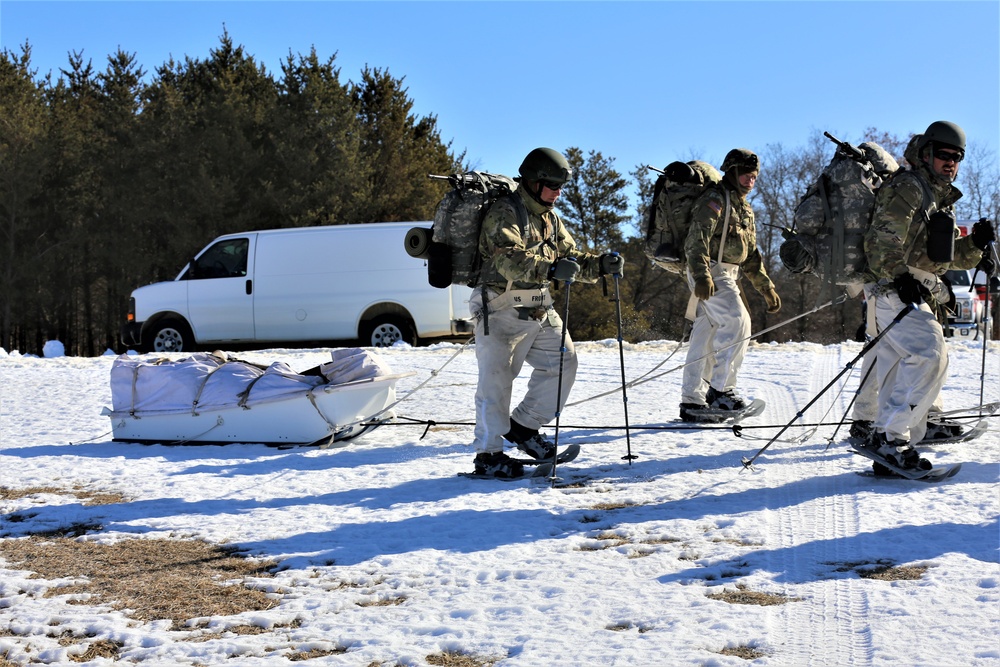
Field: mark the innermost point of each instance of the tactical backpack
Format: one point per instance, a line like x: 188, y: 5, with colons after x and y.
x: 451, y: 246
x: 669, y: 214
x: 828, y: 227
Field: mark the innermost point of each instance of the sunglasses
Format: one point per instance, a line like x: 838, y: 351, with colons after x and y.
x: 555, y: 187
x: 948, y: 156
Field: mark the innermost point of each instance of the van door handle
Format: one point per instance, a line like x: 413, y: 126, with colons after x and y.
x: 249, y: 287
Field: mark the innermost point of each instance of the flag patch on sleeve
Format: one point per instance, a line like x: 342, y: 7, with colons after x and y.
x: 715, y: 206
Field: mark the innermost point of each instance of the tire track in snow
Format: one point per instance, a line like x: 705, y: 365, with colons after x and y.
x: 808, y: 523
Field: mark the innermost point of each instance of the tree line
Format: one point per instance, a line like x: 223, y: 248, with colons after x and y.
x: 109, y: 181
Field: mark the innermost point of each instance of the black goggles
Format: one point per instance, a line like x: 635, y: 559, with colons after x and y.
x: 948, y: 156
x: 552, y: 185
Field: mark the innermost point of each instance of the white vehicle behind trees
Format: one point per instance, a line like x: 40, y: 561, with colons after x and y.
x: 300, y: 285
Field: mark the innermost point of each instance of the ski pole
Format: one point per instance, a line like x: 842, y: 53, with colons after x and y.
x: 748, y: 463
x: 621, y: 356
x: 562, y: 355
x: 988, y: 304
x: 861, y: 387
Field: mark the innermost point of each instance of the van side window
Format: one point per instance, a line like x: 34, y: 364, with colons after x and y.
x: 225, y: 259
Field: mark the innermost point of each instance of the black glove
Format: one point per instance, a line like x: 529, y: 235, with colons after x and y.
x: 987, y: 265
x: 679, y: 172
x: 612, y: 263
x: 564, y: 269
x: 983, y: 234
x: 909, y: 289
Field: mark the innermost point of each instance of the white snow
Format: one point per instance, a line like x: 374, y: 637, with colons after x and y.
x: 613, y: 571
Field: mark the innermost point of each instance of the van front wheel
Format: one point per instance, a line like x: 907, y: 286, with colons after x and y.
x: 168, y: 335
x: 385, y: 330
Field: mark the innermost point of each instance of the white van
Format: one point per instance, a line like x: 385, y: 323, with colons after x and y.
x: 307, y: 284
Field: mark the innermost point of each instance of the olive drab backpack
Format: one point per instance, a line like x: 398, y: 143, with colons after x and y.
x: 830, y: 221
x: 451, y: 246
x: 669, y: 214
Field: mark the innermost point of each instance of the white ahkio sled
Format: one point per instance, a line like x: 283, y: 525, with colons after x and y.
x: 212, y: 398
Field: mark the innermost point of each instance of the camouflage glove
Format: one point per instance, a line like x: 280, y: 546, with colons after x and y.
x: 612, y: 263
x: 704, y: 287
x: 772, y: 300
x: 564, y: 269
x: 983, y: 234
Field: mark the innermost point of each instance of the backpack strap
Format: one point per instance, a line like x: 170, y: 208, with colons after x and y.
x: 725, y: 225
x: 929, y: 206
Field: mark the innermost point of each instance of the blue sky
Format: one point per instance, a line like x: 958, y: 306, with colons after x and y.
x: 642, y: 82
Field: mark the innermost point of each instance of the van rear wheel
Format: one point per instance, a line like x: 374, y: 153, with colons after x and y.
x: 385, y: 330
x: 168, y: 335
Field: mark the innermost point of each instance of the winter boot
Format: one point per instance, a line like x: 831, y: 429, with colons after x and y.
x: 861, y: 429
x: 940, y: 429
x: 530, y: 441
x: 897, y: 452
x: 498, y: 464
x: 724, y: 400
x: 690, y: 413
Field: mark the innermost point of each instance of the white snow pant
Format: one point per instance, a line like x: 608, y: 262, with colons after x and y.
x: 501, y: 354
x: 720, y: 336
x: 866, y: 402
x: 912, y: 366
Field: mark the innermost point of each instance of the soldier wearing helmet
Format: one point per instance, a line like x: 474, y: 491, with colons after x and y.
x: 721, y: 242
x: 524, y: 245
x: 911, y: 242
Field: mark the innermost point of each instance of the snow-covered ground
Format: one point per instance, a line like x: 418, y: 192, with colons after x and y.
x: 613, y: 570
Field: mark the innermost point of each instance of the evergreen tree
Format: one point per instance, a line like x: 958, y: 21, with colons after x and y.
x: 593, y: 203
x: 318, y: 139
x: 398, y: 152
x: 23, y: 233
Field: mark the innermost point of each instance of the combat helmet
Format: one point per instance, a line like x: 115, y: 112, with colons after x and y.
x: 942, y: 133
x: 545, y: 164
x: 743, y: 159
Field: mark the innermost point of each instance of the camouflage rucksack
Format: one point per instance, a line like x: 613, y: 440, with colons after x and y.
x: 830, y: 221
x: 451, y: 246
x: 669, y: 214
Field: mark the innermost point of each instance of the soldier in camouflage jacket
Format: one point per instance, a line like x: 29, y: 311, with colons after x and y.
x: 524, y: 245
x: 722, y: 241
x: 912, y: 241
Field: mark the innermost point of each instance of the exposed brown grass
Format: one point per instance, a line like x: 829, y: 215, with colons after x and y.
x: 744, y: 596
x: 892, y: 573
x: 456, y: 659
x: 88, y: 497
x: 151, y: 579
x: 745, y: 652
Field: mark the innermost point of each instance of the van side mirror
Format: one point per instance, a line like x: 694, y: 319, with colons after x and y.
x: 192, y: 272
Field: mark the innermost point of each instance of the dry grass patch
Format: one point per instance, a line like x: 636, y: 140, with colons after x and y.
x: 881, y: 570
x: 892, y: 573
x: 152, y: 579
x: 383, y: 602
x: 456, y: 659
x: 88, y: 497
x: 744, y: 596
x: 745, y: 652
x: 604, y: 507
x: 298, y: 656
